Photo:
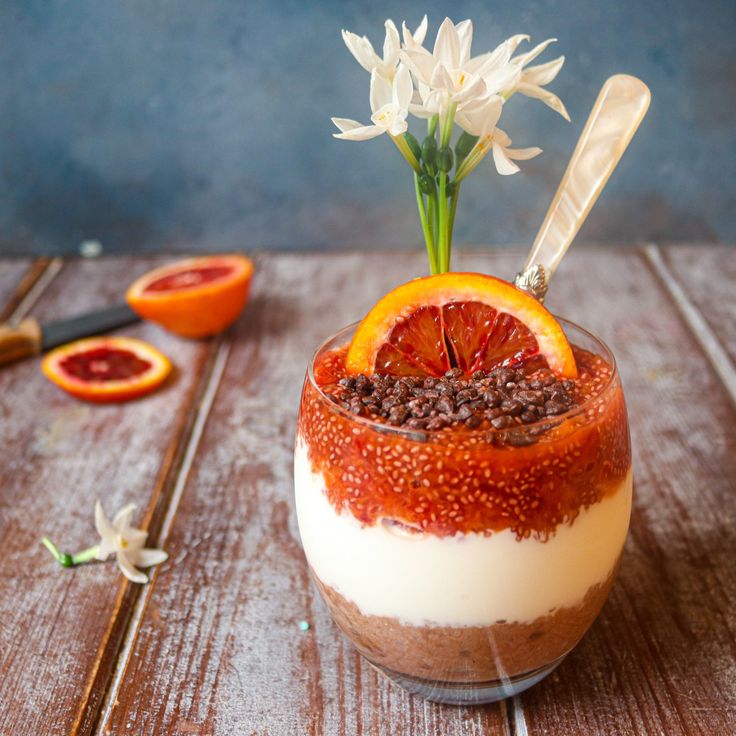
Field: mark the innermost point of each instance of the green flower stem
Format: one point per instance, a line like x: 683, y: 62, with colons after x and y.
x: 432, y: 214
x: 443, y: 219
x: 406, y: 152
x: 451, y: 225
x: 428, y: 234
x: 447, y: 123
x: 443, y: 254
x: 67, y: 560
x: 85, y: 555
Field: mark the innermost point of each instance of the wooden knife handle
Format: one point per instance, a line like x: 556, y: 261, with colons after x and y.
x: 19, y: 341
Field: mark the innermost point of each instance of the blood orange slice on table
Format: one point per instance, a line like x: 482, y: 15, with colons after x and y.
x: 457, y: 320
x: 197, y: 297
x: 106, y: 369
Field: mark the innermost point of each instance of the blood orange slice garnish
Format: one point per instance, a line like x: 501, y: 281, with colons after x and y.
x: 197, y: 297
x: 457, y: 320
x: 106, y: 369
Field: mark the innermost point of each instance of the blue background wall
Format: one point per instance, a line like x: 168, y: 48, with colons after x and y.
x: 188, y: 124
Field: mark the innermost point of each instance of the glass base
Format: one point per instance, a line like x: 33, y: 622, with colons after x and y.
x: 469, y: 693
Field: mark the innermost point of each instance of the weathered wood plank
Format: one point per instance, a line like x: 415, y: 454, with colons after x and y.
x: 59, y: 630
x: 219, y: 650
x: 708, y: 275
x: 16, y: 278
x: 662, y: 657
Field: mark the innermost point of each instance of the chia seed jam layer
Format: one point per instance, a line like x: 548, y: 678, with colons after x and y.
x: 509, y: 449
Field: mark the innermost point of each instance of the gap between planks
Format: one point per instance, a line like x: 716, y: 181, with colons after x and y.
x: 693, y: 318
x: 36, y: 279
x: 179, y: 475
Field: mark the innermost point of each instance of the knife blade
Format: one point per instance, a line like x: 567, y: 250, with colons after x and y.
x: 29, y: 337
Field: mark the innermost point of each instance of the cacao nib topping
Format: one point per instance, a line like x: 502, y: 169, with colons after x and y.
x: 500, y: 399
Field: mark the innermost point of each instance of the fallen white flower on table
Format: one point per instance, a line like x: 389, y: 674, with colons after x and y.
x: 117, y: 537
x: 126, y: 542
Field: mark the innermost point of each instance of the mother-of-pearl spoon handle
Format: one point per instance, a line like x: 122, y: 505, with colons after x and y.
x: 621, y: 105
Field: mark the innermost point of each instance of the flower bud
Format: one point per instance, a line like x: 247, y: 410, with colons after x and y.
x: 429, y: 151
x: 445, y: 159
x: 426, y: 184
x: 464, y: 145
x: 413, y: 144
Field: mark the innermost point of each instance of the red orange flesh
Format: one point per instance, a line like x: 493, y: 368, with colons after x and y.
x: 196, y: 297
x: 465, y: 320
x: 106, y: 369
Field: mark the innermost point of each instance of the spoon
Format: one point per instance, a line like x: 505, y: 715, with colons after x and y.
x: 621, y: 105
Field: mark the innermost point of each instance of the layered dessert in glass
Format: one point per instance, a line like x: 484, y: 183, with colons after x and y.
x: 464, y: 529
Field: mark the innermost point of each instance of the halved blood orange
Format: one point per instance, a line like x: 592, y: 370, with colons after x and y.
x: 457, y: 320
x: 106, y: 369
x: 196, y: 297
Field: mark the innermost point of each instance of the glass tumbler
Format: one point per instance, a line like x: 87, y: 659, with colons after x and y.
x: 464, y: 564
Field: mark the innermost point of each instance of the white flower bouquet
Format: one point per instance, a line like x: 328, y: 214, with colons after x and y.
x: 447, y: 87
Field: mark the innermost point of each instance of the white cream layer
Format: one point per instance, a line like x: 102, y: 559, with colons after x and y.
x: 464, y: 580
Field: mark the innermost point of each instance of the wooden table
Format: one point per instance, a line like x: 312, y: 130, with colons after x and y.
x: 213, y: 644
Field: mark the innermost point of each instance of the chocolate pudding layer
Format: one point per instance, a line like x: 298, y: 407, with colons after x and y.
x: 466, y: 654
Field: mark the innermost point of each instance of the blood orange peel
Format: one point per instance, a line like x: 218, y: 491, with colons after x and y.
x: 106, y: 369
x: 465, y: 320
x: 197, y: 297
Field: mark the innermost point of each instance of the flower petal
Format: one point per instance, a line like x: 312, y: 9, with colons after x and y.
x: 126, y: 567
x: 549, y: 98
x: 104, y: 528
x: 447, y: 45
x: 132, y: 539
x: 345, y: 124
x: 504, y: 165
x: 105, y: 548
x: 398, y: 127
x: 420, y: 62
x: 465, y: 35
x: 403, y: 89
x: 499, y: 57
x: 363, y: 133
x: 362, y: 49
x: 441, y: 79
x: 391, y: 45
x: 148, y: 557
x: 522, y: 154
x: 381, y: 91
x: 543, y: 73
x: 123, y: 517
x: 524, y: 59
x: 503, y: 80
x: 482, y: 120
x: 472, y: 88
x: 417, y: 38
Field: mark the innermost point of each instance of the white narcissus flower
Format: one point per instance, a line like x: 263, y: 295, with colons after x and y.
x: 445, y: 70
x: 362, y: 49
x: 503, y: 153
x: 126, y: 542
x: 389, y: 105
x: 531, y: 81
